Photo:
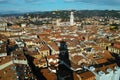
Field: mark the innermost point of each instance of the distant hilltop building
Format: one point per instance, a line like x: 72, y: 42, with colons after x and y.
x: 68, y: 23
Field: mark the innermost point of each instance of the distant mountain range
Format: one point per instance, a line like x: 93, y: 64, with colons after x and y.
x: 64, y: 13
x: 10, y: 13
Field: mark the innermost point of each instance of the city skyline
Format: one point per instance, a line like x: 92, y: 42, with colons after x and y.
x: 50, y: 5
x: 39, y: 43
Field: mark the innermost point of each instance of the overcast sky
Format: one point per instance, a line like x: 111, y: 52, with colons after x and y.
x: 48, y: 5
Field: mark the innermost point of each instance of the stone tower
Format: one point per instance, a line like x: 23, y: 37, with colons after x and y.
x: 71, y: 18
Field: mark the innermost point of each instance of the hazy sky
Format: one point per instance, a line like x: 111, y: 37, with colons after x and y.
x: 47, y: 5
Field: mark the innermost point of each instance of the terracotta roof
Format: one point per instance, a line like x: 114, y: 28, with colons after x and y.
x: 77, y: 58
x: 104, y: 68
x: 53, y: 56
x: 101, y: 60
x: 103, y: 40
x: 44, y: 48
x: 18, y: 54
x: 117, y: 45
x: 3, y: 48
x: 87, y: 75
x: 107, y: 55
x: 7, y: 73
x: 39, y: 61
x: 48, y: 75
x: 5, y: 59
x: 54, y: 46
x: 27, y: 40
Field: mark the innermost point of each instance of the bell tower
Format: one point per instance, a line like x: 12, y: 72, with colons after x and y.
x: 71, y: 18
